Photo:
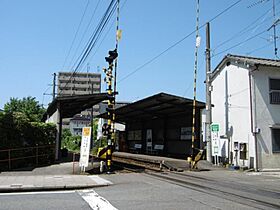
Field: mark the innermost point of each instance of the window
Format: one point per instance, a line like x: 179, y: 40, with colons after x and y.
x: 274, y: 91
x: 275, y: 140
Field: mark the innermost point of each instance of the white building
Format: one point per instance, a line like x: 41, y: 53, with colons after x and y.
x: 246, y: 100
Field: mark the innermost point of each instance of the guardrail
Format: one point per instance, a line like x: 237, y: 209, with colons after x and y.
x: 34, y: 153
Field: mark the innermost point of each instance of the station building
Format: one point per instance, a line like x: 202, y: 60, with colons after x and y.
x: 159, y: 125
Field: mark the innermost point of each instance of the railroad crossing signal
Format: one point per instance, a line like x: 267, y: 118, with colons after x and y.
x: 108, y: 128
x: 113, y: 54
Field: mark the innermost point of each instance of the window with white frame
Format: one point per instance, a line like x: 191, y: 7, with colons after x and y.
x: 275, y: 140
x: 274, y: 91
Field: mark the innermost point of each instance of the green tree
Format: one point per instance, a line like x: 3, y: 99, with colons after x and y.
x: 28, y: 106
x: 69, y: 141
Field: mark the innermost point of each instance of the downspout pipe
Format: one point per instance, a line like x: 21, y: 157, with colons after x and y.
x: 252, y: 117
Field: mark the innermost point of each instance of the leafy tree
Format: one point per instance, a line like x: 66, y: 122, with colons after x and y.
x: 28, y: 106
x: 69, y: 141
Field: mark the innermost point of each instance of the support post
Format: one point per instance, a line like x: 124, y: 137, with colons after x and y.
x: 208, y: 96
x: 9, y: 157
x: 58, y: 134
x: 54, y: 85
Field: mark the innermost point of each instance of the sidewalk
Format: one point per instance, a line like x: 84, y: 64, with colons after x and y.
x: 53, y: 177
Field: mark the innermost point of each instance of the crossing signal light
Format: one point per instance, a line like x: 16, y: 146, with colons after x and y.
x: 113, y: 54
x: 105, y: 129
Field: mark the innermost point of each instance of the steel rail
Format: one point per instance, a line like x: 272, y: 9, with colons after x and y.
x: 214, y: 191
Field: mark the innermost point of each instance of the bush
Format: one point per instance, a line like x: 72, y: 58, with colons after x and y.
x: 17, y: 131
x: 70, y: 142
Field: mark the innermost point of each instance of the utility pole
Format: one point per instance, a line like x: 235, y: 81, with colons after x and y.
x: 54, y: 85
x: 274, y: 30
x: 208, y: 96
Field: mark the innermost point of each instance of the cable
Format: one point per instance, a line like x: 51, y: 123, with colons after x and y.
x: 238, y: 44
x: 241, y: 32
x: 75, y: 36
x: 93, y: 39
x: 260, y: 48
x: 178, y: 42
x: 96, y: 35
x: 106, y: 34
x: 83, y: 36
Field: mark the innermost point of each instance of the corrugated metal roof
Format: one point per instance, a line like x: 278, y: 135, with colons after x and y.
x: 156, y: 106
x: 246, y: 60
x: 254, y: 60
x: 71, y: 105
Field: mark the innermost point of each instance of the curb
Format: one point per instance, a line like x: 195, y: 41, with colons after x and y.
x: 48, y: 188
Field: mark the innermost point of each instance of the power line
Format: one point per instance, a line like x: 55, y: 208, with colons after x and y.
x: 75, y: 36
x: 178, y: 42
x: 106, y: 34
x: 240, y: 43
x: 96, y: 34
x: 244, y: 30
x: 86, y: 30
x: 260, y: 48
x: 93, y: 39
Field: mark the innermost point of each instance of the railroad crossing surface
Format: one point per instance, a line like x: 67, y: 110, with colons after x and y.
x: 211, y: 187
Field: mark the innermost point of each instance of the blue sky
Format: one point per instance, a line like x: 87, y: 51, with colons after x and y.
x: 36, y: 36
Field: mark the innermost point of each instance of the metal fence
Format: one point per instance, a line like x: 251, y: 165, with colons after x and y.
x: 14, y: 158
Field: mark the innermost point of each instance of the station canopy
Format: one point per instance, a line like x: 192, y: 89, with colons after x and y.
x: 156, y: 106
x: 71, y: 105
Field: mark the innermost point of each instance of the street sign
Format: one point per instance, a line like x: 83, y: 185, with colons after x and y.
x: 215, y: 127
x: 85, y: 147
x: 215, y: 138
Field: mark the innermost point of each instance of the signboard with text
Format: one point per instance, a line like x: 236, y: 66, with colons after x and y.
x: 215, y: 138
x: 85, y: 147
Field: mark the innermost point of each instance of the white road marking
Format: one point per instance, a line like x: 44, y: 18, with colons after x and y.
x: 100, y: 180
x: 95, y: 201
x: 42, y: 192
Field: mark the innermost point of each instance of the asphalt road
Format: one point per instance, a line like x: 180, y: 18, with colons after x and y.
x: 61, y: 200
x: 142, y: 191
x: 205, y: 190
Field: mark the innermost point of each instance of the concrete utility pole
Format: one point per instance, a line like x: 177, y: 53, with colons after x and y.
x: 54, y: 85
x: 208, y: 96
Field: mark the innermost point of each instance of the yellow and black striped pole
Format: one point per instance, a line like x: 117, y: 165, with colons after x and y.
x: 194, y: 133
x: 110, y: 110
x: 118, y: 37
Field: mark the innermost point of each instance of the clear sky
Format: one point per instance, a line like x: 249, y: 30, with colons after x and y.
x: 36, y: 37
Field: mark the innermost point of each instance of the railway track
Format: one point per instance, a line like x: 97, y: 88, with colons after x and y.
x: 241, y: 193
x: 252, y: 196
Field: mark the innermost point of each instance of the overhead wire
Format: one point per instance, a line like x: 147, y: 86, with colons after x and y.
x: 106, y: 34
x: 86, y: 30
x: 95, y: 36
x: 178, y: 42
x: 259, y: 48
x: 247, y: 28
x: 75, y: 36
x: 240, y: 43
x: 93, y: 39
